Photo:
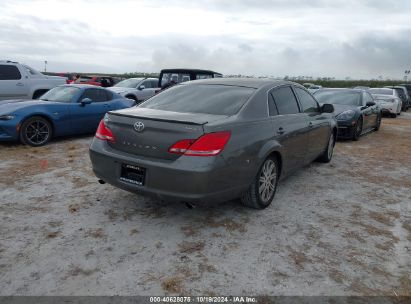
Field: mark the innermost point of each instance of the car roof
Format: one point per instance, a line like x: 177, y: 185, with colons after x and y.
x: 384, y: 96
x: 189, y: 71
x: 256, y: 83
x: 343, y: 89
x: 82, y: 86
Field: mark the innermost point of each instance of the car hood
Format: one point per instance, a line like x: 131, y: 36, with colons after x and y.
x: 121, y: 89
x: 339, y: 108
x: 10, y: 106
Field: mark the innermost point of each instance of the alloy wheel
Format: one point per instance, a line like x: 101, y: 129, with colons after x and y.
x: 330, y: 150
x: 37, y: 132
x: 267, y: 180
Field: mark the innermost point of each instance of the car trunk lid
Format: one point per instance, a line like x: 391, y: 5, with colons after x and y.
x: 150, y: 133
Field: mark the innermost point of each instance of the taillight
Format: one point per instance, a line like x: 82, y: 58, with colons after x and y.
x: 104, y: 133
x: 209, y: 144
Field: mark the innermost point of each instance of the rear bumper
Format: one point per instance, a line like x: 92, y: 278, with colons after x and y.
x: 187, y: 179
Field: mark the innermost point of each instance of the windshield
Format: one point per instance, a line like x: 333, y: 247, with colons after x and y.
x: 339, y: 97
x: 207, y: 99
x: 31, y: 70
x: 129, y: 83
x: 60, y: 94
x: 381, y: 91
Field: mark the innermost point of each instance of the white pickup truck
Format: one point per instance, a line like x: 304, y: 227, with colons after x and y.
x: 19, y: 81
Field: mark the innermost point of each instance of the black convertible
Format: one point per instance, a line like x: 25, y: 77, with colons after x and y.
x: 355, y: 110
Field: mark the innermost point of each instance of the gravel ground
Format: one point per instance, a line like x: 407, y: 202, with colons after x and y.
x: 342, y: 228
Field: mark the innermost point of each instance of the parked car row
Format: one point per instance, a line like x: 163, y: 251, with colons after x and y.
x: 212, y: 139
x: 68, y: 109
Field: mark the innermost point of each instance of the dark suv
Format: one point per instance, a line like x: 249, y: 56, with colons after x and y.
x: 170, y: 77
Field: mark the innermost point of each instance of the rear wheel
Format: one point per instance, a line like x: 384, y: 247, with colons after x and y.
x: 328, y: 154
x: 378, y: 124
x: 261, y: 192
x: 35, y: 131
x: 393, y: 115
x: 133, y: 98
x: 357, y: 129
x: 38, y: 94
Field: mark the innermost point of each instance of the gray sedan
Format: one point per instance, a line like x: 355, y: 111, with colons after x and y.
x: 214, y: 140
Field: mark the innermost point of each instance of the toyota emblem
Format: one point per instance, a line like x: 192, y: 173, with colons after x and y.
x: 139, y: 126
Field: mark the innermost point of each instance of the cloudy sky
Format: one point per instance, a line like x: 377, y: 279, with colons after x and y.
x: 335, y: 38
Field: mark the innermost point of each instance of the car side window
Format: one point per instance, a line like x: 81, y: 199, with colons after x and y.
x: 9, y: 72
x: 307, y: 102
x: 147, y: 84
x: 366, y: 97
x: 272, y: 108
x: 285, y: 101
x: 96, y: 95
x: 154, y: 83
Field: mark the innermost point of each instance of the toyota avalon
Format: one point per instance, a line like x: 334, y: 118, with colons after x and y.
x: 214, y: 140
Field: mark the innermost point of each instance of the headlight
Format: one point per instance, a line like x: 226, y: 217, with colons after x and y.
x: 346, y: 115
x: 6, y: 117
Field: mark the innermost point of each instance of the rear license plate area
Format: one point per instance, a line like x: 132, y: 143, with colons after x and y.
x: 133, y: 174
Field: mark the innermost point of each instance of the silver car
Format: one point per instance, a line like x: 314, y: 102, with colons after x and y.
x: 138, y: 89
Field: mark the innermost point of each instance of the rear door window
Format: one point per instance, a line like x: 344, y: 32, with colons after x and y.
x: 203, y: 76
x: 147, y: 84
x: 285, y: 101
x: 307, y: 102
x: 272, y: 108
x: 207, y: 99
x: 9, y: 72
x: 154, y: 83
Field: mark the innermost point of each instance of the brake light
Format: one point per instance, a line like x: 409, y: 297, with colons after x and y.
x: 209, y: 144
x: 104, y: 133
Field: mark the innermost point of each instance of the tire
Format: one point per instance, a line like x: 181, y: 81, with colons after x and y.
x: 36, y: 131
x: 38, y: 94
x: 378, y: 125
x: 357, y: 129
x: 260, y: 194
x: 328, y: 153
x: 393, y: 115
x: 133, y: 98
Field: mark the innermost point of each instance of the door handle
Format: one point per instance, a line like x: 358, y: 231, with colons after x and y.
x: 19, y: 84
x: 281, y: 130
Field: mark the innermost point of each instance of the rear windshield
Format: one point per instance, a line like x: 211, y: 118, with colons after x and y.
x: 380, y: 91
x: 206, y: 99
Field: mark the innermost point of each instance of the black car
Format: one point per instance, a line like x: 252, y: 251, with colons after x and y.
x: 355, y: 110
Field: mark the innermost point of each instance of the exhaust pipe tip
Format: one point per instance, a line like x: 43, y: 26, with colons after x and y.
x: 101, y: 182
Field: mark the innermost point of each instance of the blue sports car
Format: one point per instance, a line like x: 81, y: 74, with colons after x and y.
x: 64, y: 110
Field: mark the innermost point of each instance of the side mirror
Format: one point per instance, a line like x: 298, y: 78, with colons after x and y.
x: 142, y: 87
x: 370, y: 104
x: 327, y: 108
x: 85, y: 101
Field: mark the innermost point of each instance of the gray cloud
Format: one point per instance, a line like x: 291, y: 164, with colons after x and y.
x: 328, y: 39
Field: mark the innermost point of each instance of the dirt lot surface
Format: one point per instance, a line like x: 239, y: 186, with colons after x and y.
x: 342, y: 228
